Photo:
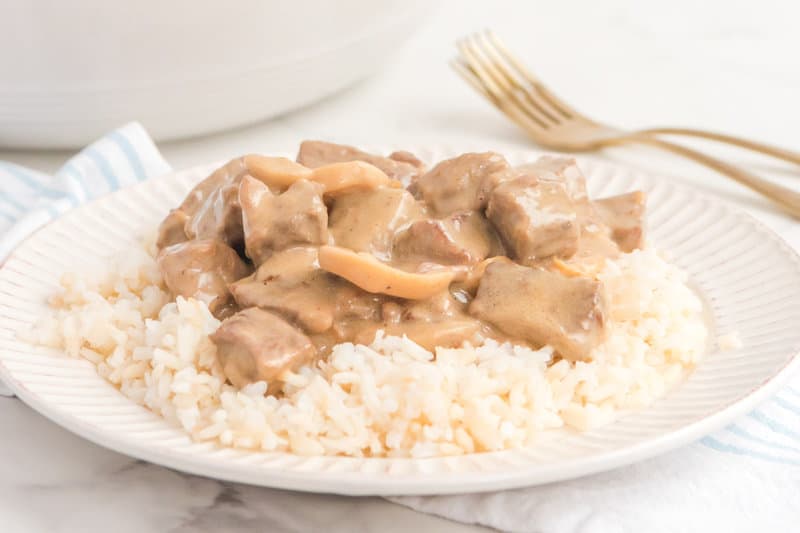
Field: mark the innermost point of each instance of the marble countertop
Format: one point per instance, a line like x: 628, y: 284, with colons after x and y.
x: 726, y: 67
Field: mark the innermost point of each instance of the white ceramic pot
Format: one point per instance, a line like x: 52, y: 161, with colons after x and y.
x: 73, y: 70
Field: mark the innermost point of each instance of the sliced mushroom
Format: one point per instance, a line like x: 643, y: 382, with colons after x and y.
x: 568, y: 270
x: 364, y: 271
x: 339, y: 177
x: 276, y: 172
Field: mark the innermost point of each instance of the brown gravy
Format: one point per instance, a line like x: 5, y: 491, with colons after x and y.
x: 342, y: 244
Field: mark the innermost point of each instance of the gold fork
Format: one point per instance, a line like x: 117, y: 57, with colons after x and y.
x: 494, y: 72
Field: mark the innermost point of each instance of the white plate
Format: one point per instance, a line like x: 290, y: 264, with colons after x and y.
x: 749, y: 279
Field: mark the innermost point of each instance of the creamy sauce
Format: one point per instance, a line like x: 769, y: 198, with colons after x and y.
x: 333, y: 250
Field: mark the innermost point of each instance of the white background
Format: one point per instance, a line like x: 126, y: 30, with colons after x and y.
x: 731, y: 66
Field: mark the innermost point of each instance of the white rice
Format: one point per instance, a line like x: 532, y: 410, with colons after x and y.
x: 391, y: 398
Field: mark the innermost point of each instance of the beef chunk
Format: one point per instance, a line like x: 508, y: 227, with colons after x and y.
x: 171, y: 231
x: 204, y: 214
x: 460, y: 239
x: 543, y: 308
x: 202, y: 269
x: 462, y: 183
x: 276, y: 222
x: 219, y: 216
x: 256, y: 345
x: 366, y: 220
x: 561, y: 170
x: 401, y: 166
x: 291, y: 284
x: 534, y: 218
x: 227, y: 173
x: 212, y: 209
x: 624, y: 214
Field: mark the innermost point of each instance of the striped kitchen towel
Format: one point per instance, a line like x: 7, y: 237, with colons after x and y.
x: 29, y: 199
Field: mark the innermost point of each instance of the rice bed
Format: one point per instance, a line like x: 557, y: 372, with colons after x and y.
x: 391, y: 398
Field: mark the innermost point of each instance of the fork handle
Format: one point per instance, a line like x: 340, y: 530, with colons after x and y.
x: 786, y: 198
x: 774, y: 151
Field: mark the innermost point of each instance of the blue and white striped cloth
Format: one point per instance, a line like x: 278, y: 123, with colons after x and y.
x: 745, y: 477
x: 29, y: 199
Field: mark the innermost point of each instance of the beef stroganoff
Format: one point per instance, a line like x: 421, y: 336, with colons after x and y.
x: 353, y: 304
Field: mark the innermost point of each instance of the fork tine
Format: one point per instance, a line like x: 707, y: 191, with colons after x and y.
x: 494, y: 80
x: 527, y: 75
x: 498, y: 99
x: 470, y: 77
x: 534, y: 104
x: 472, y: 63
